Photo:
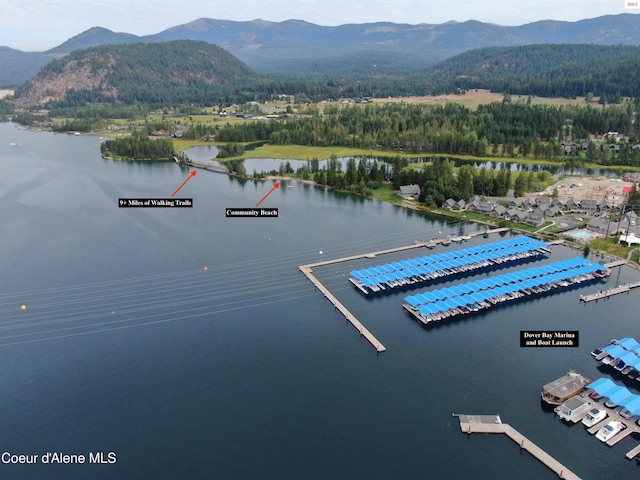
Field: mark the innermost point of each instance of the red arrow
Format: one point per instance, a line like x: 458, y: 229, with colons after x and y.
x: 193, y: 174
x: 277, y: 185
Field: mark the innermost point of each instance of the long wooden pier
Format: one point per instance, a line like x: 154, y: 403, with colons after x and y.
x: 307, y: 270
x: 493, y: 424
x: 347, y: 314
x: 616, y: 263
x: 416, y: 244
x: 610, y: 292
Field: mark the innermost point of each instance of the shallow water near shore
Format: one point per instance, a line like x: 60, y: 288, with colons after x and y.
x: 243, y: 370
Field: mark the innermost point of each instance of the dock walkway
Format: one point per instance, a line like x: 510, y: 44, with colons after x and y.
x: 610, y: 292
x: 307, y: 270
x: 616, y: 263
x: 211, y: 168
x: 347, y: 314
x: 492, y: 424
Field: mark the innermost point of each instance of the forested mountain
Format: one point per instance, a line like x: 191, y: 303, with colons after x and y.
x: 158, y: 74
x: 95, y: 37
x: 188, y: 72
x: 544, y: 70
x: 301, y: 50
x: 284, y: 47
x: 17, y: 67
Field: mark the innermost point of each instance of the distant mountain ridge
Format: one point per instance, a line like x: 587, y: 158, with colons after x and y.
x: 298, y: 48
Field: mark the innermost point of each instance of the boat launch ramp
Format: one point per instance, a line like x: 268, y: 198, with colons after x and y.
x: 493, y: 424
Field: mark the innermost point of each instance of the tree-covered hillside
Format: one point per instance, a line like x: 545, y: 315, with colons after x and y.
x: 170, y: 73
x: 544, y: 70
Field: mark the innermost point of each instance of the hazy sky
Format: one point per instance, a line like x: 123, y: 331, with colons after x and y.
x: 37, y: 25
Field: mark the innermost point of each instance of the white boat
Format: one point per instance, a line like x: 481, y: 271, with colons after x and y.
x: 593, y: 417
x: 601, y: 355
x: 610, y: 430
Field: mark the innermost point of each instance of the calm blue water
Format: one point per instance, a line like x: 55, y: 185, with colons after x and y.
x: 243, y: 370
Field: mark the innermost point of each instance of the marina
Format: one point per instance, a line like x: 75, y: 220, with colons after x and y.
x: 630, y: 427
x: 493, y: 424
x: 621, y: 355
x: 287, y: 364
x: 464, y: 298
x: 575, y: 399
x: 307, y: 270
x: 417, y: 270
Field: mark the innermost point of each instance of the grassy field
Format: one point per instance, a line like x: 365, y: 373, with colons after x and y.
x: 387, y: 193
x: 610, y: 246
x: 473, y: 98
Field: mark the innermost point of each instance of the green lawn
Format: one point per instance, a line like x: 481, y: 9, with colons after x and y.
x: 610, y: 246
x: 387, y: 193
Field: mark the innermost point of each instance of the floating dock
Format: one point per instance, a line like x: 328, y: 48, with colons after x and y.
x: 493, y: 424
x: 609, y: 293
x: 464, y: 298
x: 616, y: 263
x: 307, y: 270
x: 422, y: 269
x: 347, y: 314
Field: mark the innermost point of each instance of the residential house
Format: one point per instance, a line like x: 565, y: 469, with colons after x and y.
x: 449, y: 204
x: 485, y: 207
x: 571, y: 204
x: 516, y: 203
x: 569, y: 147
x: 535, y: 218
x: 543, y: 202
x: 602, y: 225
x: 552, y: 211
x: 409, y: 192
x: 589, y: 205
x: 498, y: 211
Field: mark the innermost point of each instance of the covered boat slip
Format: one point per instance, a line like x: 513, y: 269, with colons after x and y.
x: 617, y: 394
x: 421, y: 269
x: 481, y: 294
x: 623, y: 355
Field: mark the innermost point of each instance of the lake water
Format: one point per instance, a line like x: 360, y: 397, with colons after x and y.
x: 242, y: 370
x: 207, y: 154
